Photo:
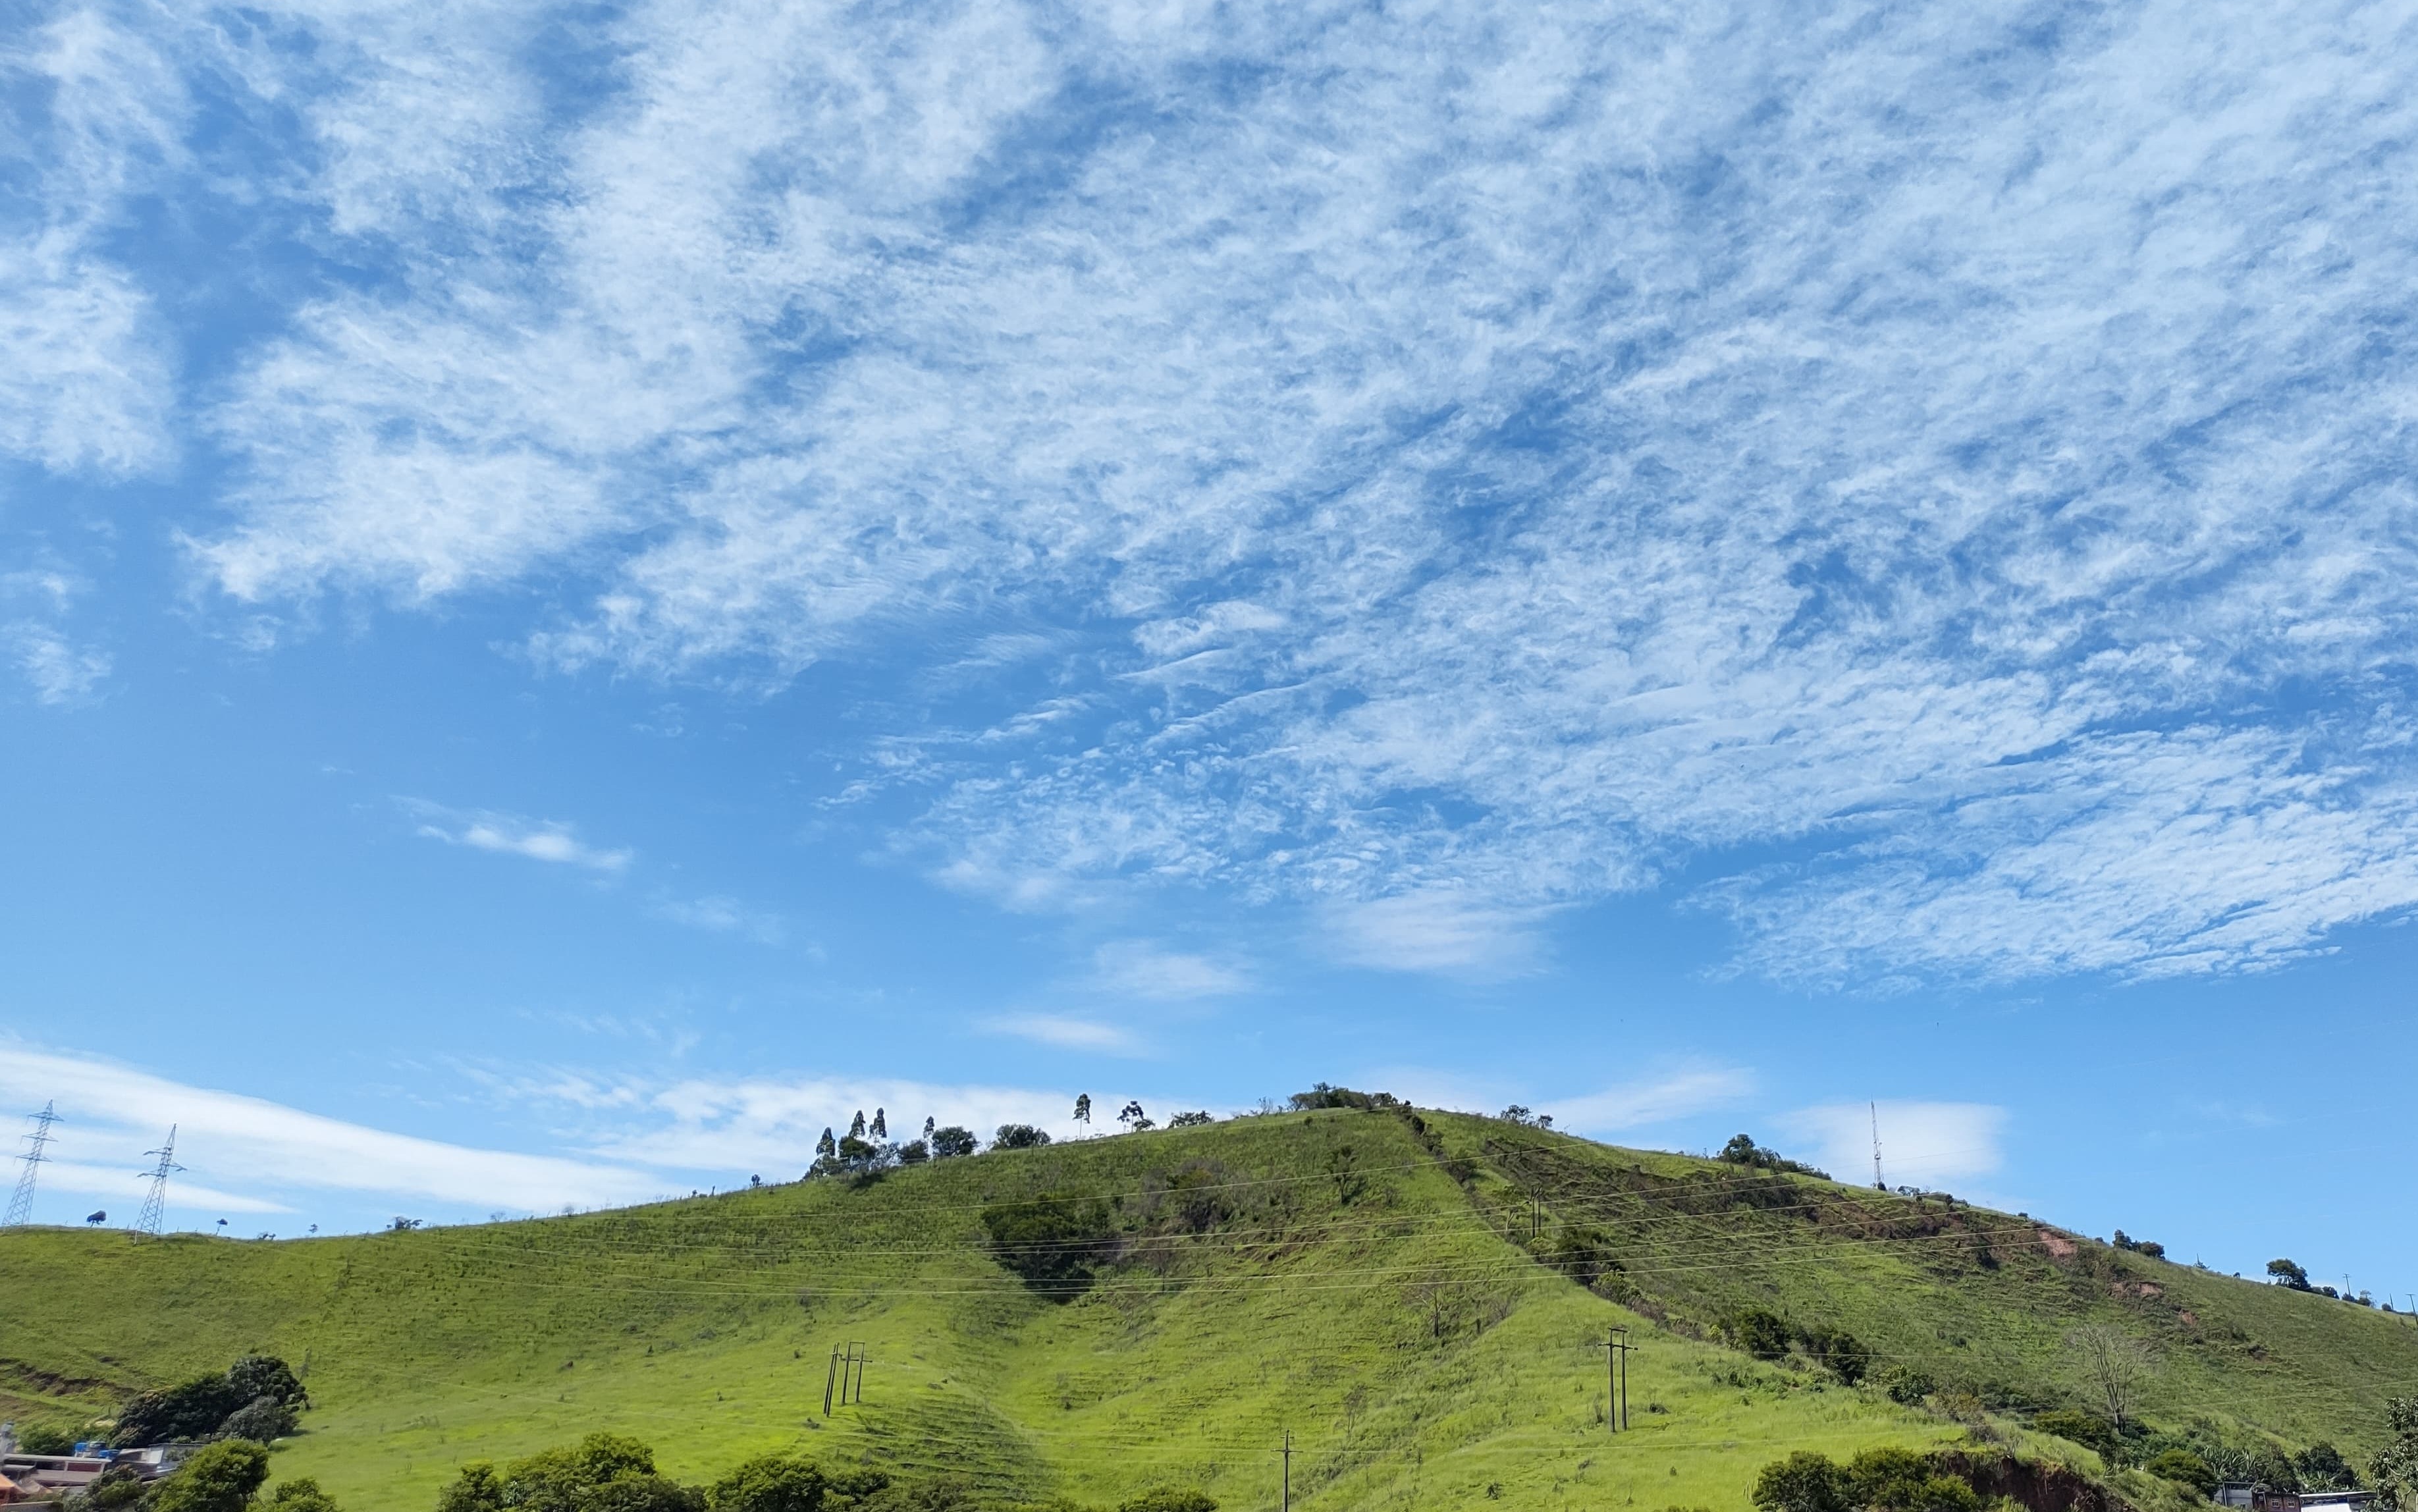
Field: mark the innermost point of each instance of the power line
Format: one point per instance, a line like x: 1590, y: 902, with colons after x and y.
x: 21, y: 1206
x: 155, y: 1205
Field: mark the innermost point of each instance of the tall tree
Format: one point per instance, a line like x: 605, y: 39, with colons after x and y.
x: 856, y: 1125
x: 880, y: 1129
x: 2115, y: 1364
x: 1083, y: 1111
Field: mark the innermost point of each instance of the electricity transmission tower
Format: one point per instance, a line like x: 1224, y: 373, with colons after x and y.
x: 21, y: 1206
x: 155, y: 1206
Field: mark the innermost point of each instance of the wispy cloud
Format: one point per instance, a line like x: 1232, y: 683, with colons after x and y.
x: 1068, y: 1033
x: 1923, y: 1144
x: 1481, y: 467
x: 510, y: 835
x: 1681, y: 1094
x: 764, y: 1124
x: 1458, y: 930
x: 722, y: 915
x: 247, y: 1153
x: 1138, y: 969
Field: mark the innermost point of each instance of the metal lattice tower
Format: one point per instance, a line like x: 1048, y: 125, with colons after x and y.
x: 1879, y: 1185
x: 155, y: 1207
x: 21, y: 1206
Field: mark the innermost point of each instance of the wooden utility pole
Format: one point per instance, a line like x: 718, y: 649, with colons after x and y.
x: 1622, y: 1349
x: 831, y: 1377
x: 1615, y: 1346
x: 1288, y: 1470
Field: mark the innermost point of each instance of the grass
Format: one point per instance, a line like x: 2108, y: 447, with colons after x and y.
x: 1409, y: 1338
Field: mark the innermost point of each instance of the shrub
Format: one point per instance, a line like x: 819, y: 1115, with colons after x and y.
x: 1904, y: 1384
x: 1019, y: 1137
x: 2321, y: 1467
x: 1585, y: 1255
x: 301, y: 1494
x: 264, y: 1420
x: 201, y: 1408
x: 2184, y: 1468
x: 1803, y: 1482
x: 602, y: 1473
x: 1901, y: 1480
x: 2087, y: 1429
x: 222, y: 1477
x: 1053, y: 1243
x: 42, y: 1437
x: 1763, y: 1334
x: 1836, y: 1351
x: 769, y: 1483
x: 1743, y: 1151
x: 1322, y: 1095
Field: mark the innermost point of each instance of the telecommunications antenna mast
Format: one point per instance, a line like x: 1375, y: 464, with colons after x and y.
x: 155, y: 1207
x: 1879, y: 1185
x: 21, y: 1206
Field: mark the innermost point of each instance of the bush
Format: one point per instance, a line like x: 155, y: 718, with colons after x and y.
x: 602, y: 1473
x: 42, y: 1437
x: 1803, y: 1482
x: 771, y: 1483
x: 1322, y: 1095
x: 2321, y: 1467
x: 301, y: 1494
x: 1904, y: 1384
x: 1197, y: 1120
x: 1167, y: 1501
x: 221, y: 1478
x: 201, y: 1408
x: 1585, y: 1255
x: 1836, y: 1351
x: 265, y: 1420
x: 952, y: 1142
x: 2184, y: 1468
x: 1053, y: 1243
x: 1763, y: 1334
x: 2087, y: 1429
x: 1901, y: 1480
x: 1019, y: 1137
x: 1743, y: 1151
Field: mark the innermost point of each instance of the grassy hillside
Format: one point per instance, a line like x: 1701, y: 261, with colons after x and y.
x: 1375, y: 1285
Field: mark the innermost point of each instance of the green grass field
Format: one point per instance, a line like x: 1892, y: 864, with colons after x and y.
x: 1388, y: 1309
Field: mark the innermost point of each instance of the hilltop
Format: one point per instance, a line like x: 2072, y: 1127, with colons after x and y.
x: 1419, y: 1299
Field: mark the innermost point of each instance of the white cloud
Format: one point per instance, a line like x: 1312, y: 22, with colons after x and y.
x: 547, y: 840
x: 244, y: 1149
x: 1138, y: 969
x: 1434, y: 929
x: 721, y: 916
x: 1067, y: 1033
x: 764, y: 1124
x: 1923, y: 1144
x: 60, y: 671
x: 1481, y: 464
x: 1679, y: 1094
x: 87, y: 385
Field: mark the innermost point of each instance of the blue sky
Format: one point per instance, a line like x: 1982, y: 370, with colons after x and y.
x: 586, y: 590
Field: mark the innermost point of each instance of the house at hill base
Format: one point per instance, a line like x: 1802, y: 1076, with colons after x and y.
x: 31, y: 1479
x: 2249, y: 1498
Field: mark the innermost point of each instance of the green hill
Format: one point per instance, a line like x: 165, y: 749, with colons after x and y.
x: 1402, y: 1293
